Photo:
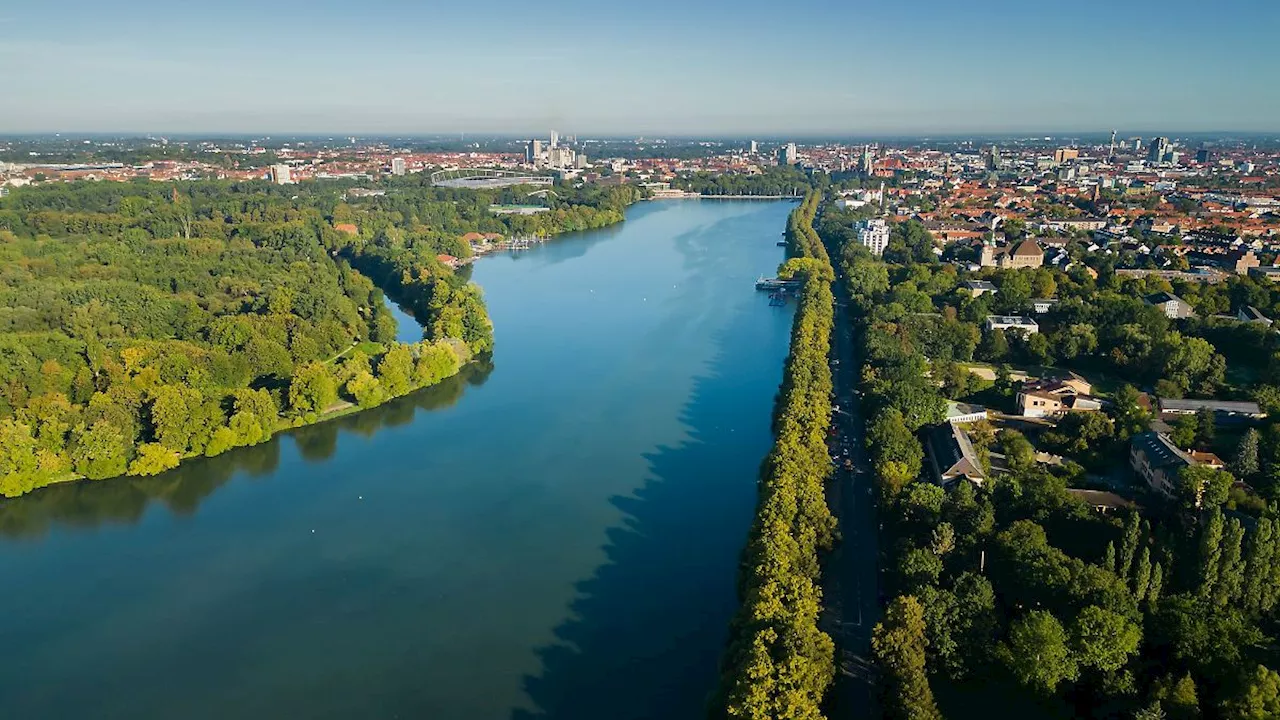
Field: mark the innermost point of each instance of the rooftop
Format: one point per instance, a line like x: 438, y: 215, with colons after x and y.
x: 1160, y: 451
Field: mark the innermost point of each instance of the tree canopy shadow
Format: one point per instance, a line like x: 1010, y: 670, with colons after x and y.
x: 645, y: 632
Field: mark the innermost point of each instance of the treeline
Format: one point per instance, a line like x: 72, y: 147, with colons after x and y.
x: 802, y: 240
x: 778, y: 663
x: 235, y: 307
x: 1013, y: 595
x: 780, y: 180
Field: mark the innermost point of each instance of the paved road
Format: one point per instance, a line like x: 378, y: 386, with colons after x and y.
x: 850, y: 575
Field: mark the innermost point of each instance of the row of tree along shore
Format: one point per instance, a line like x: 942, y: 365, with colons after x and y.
x: 145, y: 323
x: 778, y: 663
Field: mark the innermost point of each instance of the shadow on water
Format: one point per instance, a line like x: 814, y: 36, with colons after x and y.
x: 645, y: 632
x: 124, y: 500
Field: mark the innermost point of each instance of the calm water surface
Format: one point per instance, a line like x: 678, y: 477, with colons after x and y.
x: 554, y: 535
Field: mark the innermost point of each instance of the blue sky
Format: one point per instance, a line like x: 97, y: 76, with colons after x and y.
x: 657, y: 67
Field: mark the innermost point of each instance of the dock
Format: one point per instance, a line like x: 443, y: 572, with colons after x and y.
x: 776, y: 285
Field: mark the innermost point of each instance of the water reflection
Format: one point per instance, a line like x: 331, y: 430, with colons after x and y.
x: 123, y: 501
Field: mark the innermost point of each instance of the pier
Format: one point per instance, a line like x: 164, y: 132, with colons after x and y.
x: 776, y: 285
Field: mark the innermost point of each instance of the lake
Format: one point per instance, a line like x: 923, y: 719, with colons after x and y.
x: 553, y: 534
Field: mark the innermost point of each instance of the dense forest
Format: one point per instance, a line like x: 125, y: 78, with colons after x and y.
x: 142, y: 323
x: 1015, y: 598
x: 778, y: 663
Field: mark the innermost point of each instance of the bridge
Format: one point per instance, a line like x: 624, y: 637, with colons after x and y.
x: 486, y: 178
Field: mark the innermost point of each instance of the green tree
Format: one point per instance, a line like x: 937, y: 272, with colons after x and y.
x: 1178, y: 696
x: 153, y: 459
x: 1142, y: 575
x: 1202, y: 486
x: 222, y: 440
x: 19, y: 461
x: 312, y: 389
x: 395, y: 370
x: 171, y: 412
x: 899, y: 643
x: 1184, y: 431
x: 1206, y: 427
x: 366, y: 390
x: 1037, y: 652
x: 1019, y: 453
x: 1230, y: 565
x: 1103, y: 639
x: 1259, y: 699
x: 101, y: 451
x: 1245, y: 465
x: 1156, y: 585
x: 1152, y: 711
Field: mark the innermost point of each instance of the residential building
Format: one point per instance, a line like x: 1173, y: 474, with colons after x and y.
x: 1266, y: 273
x: 533, y: 153
x: 1249, y: 313
x: 1173, y: 306
x: 1157, y: 461
x: 873, y: 235
x: 1040, y: 306
x: 1054, y: 396
x: 397, y: 166
x: 1012, y: 322
x: 951, y: 455
x: 280, y: 174
x: 755, y: 147
x: 978, y: 288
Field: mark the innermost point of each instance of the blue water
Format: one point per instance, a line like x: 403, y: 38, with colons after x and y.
x: 552, y: 536
x: 408, y: 330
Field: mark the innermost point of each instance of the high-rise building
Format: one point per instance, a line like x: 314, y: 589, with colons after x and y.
x: 993, y: 159
x: 555, y: 139
x: 1062, y: 155
x: 397, y: 166
x: 280, y: 175
x: 1206, y: 155
x: 1112, y: 152
x: 865, y: 166
x: 1160, y: 150
x: 787, y: 154
x: 755, y: 147
x: 533, y: 153
x: 873, y: 235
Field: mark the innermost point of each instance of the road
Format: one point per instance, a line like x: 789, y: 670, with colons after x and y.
x: 851, y: 603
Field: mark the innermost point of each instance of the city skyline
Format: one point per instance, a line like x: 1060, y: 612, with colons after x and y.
x: 675, y: 69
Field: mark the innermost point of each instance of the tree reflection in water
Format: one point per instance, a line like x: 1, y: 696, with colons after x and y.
x: 124, y: 500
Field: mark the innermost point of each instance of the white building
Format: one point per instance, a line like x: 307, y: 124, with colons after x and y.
x: 280, y: 175
x: 873, y: 235
x: 397, y: 166
x: 1012, y: 322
